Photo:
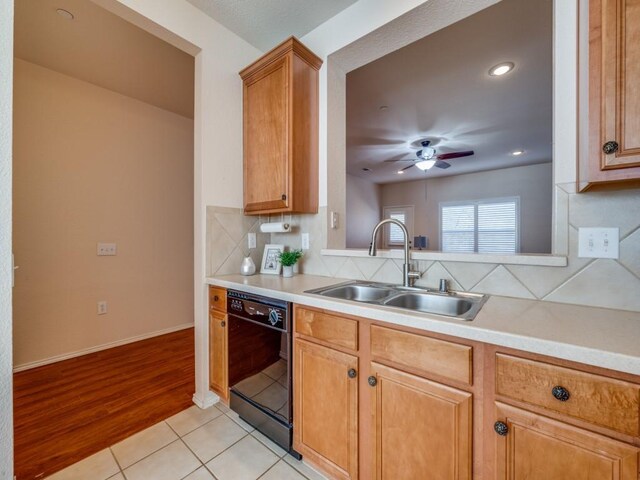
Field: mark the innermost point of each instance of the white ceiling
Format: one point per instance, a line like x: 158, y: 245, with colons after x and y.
x: 439, y: 88
x: 266, y: 23
x: 102, y: 48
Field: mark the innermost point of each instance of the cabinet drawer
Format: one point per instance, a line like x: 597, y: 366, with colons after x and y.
x: 218, y: 299
x: 333, y: 329
x: 439, y: 357
x: 593, y: 398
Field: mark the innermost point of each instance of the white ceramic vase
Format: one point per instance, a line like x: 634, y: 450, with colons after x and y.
x: 287, y: 271
x: 247, y: 267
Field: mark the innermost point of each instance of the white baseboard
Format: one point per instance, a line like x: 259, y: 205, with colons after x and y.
x: 104, y: 346
x: 205, y: 401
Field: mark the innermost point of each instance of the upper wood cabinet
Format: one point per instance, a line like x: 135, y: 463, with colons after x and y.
x: 280, y: 131
x: 614, y: 97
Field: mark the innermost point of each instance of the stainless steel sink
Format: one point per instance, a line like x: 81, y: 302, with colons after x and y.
x: 357, y: 292
x: 462, y: 305
x: 449, y: 305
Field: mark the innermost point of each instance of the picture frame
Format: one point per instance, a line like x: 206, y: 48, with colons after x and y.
x: 270, y: 263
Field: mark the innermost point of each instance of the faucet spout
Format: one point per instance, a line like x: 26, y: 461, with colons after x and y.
x: 408, y: 277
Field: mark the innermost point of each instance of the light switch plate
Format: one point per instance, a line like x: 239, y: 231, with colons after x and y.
x: 304, y: 241
x: 598, y: 242
x: 107, y: 249
x: 251, y: 240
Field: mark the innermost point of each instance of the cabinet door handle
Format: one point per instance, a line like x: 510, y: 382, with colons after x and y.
x: 284, y: 197
x: 216, y: 298
x: 352, y: 373
x: 223, y: 323
x: 560, y: 393
x: 501, y: 428
x: 610, y: 147
x: 372, y: 380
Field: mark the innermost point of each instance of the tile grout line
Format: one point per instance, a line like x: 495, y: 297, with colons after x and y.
x: 575, y: 274
x: 117, y: 463
x: 506, y: 267
x: 484, y: 277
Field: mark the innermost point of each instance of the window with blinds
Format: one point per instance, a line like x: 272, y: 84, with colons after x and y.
x: 484, y: 226
x: 392, y: 233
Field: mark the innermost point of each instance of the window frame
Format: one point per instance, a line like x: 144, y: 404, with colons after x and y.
x: 476, y: 203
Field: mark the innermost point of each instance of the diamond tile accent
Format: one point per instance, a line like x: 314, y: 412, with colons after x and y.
x: 468, y: 274
x: 616, y: 287
x: 431, y: 278
x: 630, y: 252
x: 606, y: 209
x: 502, y: 282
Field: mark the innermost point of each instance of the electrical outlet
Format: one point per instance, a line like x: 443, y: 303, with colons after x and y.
x: 251, y: 240
x: 598, y: 242
x: 304, y: 241
x: 106, y: 249
x: 102, y: 307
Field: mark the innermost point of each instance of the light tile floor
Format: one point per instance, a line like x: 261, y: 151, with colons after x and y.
x: 211, y: 444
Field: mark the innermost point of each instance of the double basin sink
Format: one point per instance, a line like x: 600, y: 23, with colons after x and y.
x: 464, y: 306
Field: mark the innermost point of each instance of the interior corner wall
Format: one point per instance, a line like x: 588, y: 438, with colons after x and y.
x: 532, y: 183
x: 90, y: 166
x: 364, y: 209
x: 6, y: 375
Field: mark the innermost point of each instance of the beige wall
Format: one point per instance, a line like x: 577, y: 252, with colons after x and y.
x: 364, y: 207
x: 6, y: 85
x: 94, y: 166
x: 533, y: 184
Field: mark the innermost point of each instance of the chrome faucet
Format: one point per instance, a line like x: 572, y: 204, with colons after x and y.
x: 408, y: 277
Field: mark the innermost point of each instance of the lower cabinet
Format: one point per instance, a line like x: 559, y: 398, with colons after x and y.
x: 326, y: 408
x: 422, y: 429
x: 218, y: 380
x: 383, y: 402
x: 533, y: 447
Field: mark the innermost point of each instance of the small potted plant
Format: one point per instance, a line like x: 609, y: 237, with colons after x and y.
x: 288, y: 260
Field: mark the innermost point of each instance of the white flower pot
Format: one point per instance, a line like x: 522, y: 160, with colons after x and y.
x: 287, y: 271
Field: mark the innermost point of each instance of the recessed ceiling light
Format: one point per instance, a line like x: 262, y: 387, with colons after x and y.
x: 501, y: 69
x: 65, y: 13
x: 365, y: 169
x: 400, y: 172
x: 517, y: 153
x: 383, y: 108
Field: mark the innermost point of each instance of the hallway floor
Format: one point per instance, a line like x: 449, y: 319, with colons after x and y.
x: 195, y: 444
x: 70, y: 410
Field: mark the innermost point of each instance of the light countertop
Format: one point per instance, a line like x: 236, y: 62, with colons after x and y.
x: 594, y: 336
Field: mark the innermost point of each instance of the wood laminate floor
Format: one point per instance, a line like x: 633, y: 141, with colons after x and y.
x: 69, y: 410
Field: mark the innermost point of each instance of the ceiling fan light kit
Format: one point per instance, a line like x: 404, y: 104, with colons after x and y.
x: 425, y: 164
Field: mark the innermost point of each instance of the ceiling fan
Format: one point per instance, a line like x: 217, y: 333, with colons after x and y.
x: 427, y: 157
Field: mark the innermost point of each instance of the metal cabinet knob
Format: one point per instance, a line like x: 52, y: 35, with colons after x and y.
x: 372, y: 380
x: 501, y: 428
x: 284, y: 197
x: 560, y: 393
x: 223, y: 323
x: 216, y: 298
x: 352, y: 373
x: 610, y: 147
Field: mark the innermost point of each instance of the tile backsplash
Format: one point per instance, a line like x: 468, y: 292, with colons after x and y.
x: 595, y: 282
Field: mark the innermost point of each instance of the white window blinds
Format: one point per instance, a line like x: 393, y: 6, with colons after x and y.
x: 395, y: 233
x: 485, y: 226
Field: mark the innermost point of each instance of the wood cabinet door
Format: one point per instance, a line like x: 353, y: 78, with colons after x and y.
x: 326, y: 408
x: 615, y: 72
x: 218, y: 353
x: 422, y: 429
x: 266, y: 138
x: 537, y: 448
